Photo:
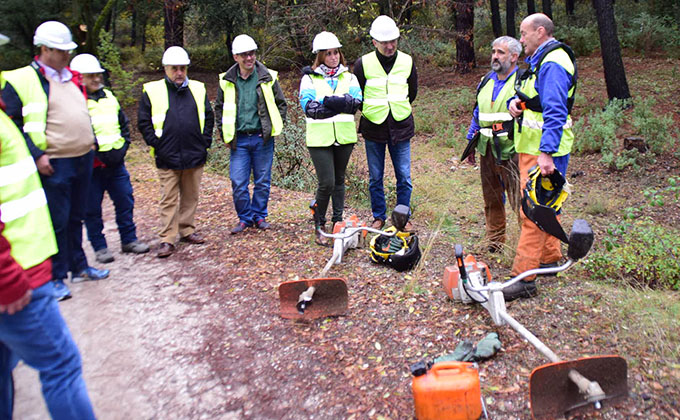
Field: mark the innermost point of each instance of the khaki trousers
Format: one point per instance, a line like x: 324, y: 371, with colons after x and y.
x: 535, y: 246
x: 179, y: 199
x: 497, y: 181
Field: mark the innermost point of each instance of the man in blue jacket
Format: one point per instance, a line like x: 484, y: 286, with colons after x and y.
x: 544, y: 137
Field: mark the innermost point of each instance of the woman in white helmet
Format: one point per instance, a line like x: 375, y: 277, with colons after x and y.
x: 329, y: 95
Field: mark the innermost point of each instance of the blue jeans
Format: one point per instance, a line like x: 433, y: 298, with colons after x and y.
x: 251, y: 155
x: 115, y: 181
x: 66, y: 192
x: 39, y: 336
x: 400, y: 153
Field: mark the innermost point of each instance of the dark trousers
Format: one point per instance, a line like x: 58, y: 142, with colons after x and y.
x: 115, y: 181
x: 330, y: 164
x: 66, y: 193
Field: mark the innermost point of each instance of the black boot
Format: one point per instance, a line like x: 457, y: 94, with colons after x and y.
x: 521, y: 289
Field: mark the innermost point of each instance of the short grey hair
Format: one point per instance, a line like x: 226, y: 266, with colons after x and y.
x: 513, y: 45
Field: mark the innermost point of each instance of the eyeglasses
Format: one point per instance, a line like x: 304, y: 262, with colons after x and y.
x: 246, y: 54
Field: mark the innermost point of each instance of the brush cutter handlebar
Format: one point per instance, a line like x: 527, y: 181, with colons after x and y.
x: 350, y: 231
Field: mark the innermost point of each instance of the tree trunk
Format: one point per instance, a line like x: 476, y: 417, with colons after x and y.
x: 531, y: 7
x: 547, y: 8
x: 174, y: 23
x: 569, y: 6
x: 496, y: 19
x: 510, y: 18
x: 614, y: 72
x: 133, y: 28
x: 464, y: 12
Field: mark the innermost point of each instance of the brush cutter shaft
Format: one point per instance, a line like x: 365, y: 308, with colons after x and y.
x: 348, y: 232
x: 529, y: 337
x: 591, y: 390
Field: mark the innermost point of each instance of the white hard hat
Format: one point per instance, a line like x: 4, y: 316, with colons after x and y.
x: 175, y: 56
x: 243, y: 43
x: 384, y: 29
x: 325, y: 41
x: 53, y: 34
x: 3, y: 39
x: 86, y: 63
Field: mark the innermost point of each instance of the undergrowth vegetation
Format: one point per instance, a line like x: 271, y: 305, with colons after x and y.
x: 638, y: 250
x: 602, y: 131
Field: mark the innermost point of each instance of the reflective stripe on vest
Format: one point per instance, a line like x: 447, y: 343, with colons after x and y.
x: 104, y: 117
x: 23, y: 205
x: 341, y: 127
x: 26, y: 83
x: 491, y: 112
x: 386, y: 92
x: 229, y: 106
x: 529, y: 139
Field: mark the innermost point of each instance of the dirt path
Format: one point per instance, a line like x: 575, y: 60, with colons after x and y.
x: 134, y: 332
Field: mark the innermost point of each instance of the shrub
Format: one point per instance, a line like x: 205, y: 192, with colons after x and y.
x: 292, y: 167
x: 644, y: 33
x: 122, y: 82
x: 641, y: 253
x: 655, y: 128
x: 639, y: 250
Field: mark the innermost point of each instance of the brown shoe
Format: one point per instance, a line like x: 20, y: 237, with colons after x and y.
x: 166, y: 249
x: 194, y: 238
x: 378, y: 224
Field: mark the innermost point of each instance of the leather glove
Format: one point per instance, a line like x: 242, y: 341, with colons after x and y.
x: 487, y: 347
x: 463, y: 353
x: 318, y: 111
x: 345, y: 104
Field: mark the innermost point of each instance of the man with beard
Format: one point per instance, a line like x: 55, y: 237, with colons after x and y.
x: 495, y: 126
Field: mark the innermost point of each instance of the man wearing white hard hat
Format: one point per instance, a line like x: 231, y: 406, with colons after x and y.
x: 112, y: 132
x: 31, y: 326
x: 250, y: 111
x: 389, y: 83
x: 176, y: 120
x: 48, y: 102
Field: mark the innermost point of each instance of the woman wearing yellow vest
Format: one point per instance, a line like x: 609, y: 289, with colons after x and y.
x: 329, y: 95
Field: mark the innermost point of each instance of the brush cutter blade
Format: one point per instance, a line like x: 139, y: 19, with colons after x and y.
x: 553, y: 394
x: 329, y: 298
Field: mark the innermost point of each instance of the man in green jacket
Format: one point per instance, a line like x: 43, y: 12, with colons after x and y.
x: 250, y: 112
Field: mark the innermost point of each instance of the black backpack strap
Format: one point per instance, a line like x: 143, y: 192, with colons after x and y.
x: 572, y: 57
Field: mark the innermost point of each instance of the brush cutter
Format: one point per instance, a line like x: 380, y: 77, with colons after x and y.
x: 321, y: 297
x: 562, y: 386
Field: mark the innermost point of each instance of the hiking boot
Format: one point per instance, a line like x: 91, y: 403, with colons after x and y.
x: 103, y: 256
x: 495, y: 247
x: 548, y: 265
x: 61, y: 291
x: 320, y: 239
x: 378, y: 224
x: 194, y: 238
x: 521, y: 289
x: 166, y: 249
x: 263, y: 224
x: 135, y: 247
x: 89, y: 274
x: 240, y: 227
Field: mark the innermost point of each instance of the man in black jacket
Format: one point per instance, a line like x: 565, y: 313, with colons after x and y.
x: 389, y: 83
x: 176, y: 120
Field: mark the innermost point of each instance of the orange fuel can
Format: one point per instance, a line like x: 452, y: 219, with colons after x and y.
x: 448, y: 391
